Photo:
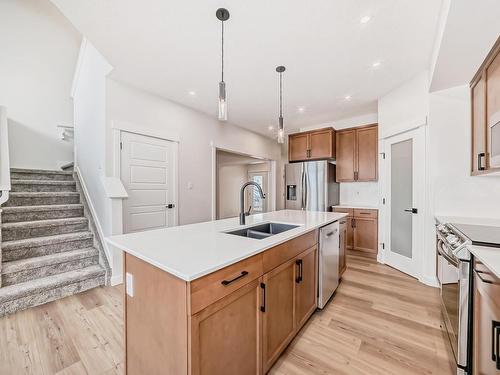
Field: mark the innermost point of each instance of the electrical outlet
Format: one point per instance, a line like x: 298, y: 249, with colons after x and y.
x: 129, y: 284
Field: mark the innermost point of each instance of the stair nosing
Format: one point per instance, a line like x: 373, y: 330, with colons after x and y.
x: 16, y: 291
x: 45, y: 222
x: 40, y: 241
x: 16, y: 181
x: 39, y: 171
x: 43, y: 193
x: 44, y: 207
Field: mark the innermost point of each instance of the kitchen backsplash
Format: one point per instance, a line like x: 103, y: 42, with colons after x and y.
x: 359, y: 193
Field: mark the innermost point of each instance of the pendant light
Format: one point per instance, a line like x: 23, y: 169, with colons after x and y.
x: 223, y: 15
x: 281, y: 128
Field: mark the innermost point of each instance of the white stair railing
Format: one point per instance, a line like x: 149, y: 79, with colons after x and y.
x: 4, y: 157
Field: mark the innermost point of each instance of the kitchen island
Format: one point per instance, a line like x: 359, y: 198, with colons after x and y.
x: 200, y: 300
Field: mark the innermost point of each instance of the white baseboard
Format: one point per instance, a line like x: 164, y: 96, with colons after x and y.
x: 429, y: 280
x: 116, y: 279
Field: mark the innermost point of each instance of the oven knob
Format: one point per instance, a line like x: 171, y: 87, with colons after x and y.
x: 452, y: 239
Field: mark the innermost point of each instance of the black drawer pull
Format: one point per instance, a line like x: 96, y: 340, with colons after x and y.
x: 480, y: 157
x: 298, y: 279
x: 263, y: 306
x: 495, y: 338
x: 227, y: 282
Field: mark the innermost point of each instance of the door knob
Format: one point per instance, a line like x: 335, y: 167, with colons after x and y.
x: 412, y: 210
x: 170, y: 205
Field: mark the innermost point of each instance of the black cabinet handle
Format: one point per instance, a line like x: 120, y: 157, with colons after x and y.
x: 480, y: 157
x: 227, y: 282
x: 353, y: 223
x: 263, y: 306
x: 495, y: 338
x: 478, y: 273
x: 298, y: 279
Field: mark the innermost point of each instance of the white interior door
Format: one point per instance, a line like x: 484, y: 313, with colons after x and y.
x: 404, y: 171
x: 148, y: 174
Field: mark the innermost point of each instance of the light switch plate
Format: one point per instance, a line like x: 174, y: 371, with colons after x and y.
x: 129, y: 284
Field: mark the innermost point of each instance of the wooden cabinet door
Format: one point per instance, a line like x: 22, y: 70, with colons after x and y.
x: 478, y: 125
x: 345, y: 151
x: 343, y: 247
x: 306, y: 278
x: 278, y: 321
x: 321, y: 144
x: 298, y: 146
x: 367, y: 154
x: 350, y: 233
x: 492, y: 99
x: 486, y: 323
x: 365, y: 235
x: 225, y: 336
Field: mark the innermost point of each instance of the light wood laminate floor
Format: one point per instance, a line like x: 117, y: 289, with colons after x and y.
x: 379, y: 322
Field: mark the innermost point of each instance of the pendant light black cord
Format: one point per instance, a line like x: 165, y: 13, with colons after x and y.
x: 222, y: 64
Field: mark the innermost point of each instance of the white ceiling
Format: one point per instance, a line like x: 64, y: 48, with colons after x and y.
x: 173, y: 47
x: 472, y: 27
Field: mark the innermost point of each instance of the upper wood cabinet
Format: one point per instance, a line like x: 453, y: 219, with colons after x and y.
x: 312, y: 145
x: 357, y: 154
x: 485, y: 104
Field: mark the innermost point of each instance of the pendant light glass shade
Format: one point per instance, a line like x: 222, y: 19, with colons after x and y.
x: 281, y: 127
x: 281, y: 131
x: 222, y: 101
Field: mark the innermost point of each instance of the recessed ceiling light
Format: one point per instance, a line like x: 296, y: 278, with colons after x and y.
x: 348, y: 97
x: 270, y: 127
x: 192, y: 93
x: 301, y: 109
x: 376, y: 64
x: 365, y: 19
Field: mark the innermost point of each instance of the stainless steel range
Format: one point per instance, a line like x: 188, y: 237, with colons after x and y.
x: 454, y: 271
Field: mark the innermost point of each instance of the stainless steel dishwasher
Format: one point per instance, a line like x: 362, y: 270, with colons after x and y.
x: 328, y: 259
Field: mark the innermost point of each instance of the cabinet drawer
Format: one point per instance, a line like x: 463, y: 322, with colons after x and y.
x: 487, y: 282
x: 362, y: 213
x: 210, y: 288
x: 348, y: 211
x: 278, y: 255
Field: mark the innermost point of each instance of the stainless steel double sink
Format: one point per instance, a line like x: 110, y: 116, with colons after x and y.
x: 261, y: 231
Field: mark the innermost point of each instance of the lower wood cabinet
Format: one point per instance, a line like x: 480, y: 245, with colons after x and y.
x: 362, y: 230
x: 343, y: 247
x: 225, y: 335
x: 486, y: 327
x: 199, y: 328
x: 278, y: 325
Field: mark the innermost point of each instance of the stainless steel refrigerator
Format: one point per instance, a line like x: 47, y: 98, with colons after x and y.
x: 311, y: 186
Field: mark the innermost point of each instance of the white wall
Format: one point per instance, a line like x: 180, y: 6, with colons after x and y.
x: 196, y: 133
x: 405, y: 107
x: 231, y: 178
x: 38, y: 53
x: 456, y: 193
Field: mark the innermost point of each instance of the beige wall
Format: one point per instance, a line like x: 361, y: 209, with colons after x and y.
x: 230, y: 180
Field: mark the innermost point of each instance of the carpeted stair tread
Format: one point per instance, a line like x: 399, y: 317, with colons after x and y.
x: 43, y: 194
x: 46, y: 240
x: 45, y: 223
x: 36, y: 262
x: 39, y: 286
x: 40, y: 171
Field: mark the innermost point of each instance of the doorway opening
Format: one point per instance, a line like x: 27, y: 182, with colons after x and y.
x: 232, y: 170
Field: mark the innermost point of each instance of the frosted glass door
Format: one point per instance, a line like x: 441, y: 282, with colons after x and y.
x: 402, y: 197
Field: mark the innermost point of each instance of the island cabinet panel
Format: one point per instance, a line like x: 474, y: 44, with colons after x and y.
x: 343, y: 247
x: 306, y: 281
x: 486, y: 325
x: 237, y: 320
x: 278, y: 320
x: 156, y: 318
x: 210, y: 288
x: 225, y: 337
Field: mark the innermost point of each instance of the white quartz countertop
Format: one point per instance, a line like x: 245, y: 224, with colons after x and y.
x: 489, y: 256
x: 192, y: 251
x: 361, y: 207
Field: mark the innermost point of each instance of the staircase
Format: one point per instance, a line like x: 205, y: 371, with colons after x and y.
x: 47, y: 248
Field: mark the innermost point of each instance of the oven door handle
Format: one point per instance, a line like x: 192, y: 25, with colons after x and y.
x: 446, y: 256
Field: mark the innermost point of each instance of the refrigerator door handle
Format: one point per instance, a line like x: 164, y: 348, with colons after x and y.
x: 302, y: 184
x: 306, y: 190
